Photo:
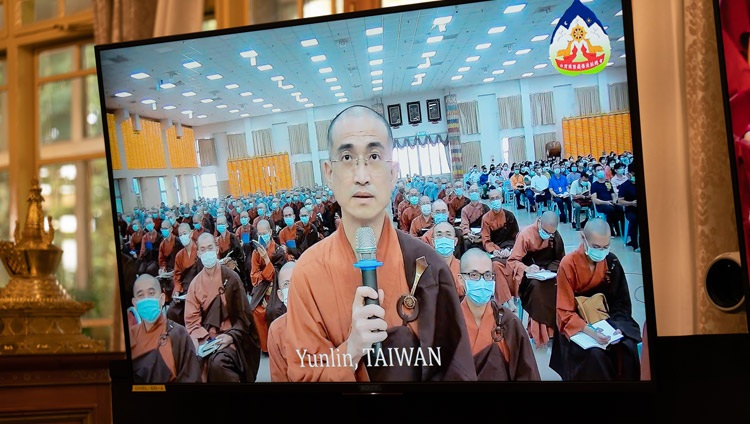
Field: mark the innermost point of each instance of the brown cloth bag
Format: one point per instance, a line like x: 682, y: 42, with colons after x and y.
x: 592, y: 308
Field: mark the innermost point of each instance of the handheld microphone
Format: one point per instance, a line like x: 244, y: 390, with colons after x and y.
x: 368, y: 264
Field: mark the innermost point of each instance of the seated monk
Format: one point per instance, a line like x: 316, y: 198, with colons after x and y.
x: 501, y: 347
x: 277, y: 328
x: 161, y: 349
x: 268, y: 257
x: 589, y: 270
x: 538, y: 246
x: 499, y: 231
x: 217, y: 310
x: 445, y: 240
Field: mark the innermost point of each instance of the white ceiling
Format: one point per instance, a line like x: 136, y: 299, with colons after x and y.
x: 345, y: 45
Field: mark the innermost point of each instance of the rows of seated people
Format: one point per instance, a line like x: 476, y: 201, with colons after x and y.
x: 261, y: 236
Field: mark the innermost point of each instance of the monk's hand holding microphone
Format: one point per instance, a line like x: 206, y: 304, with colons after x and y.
x: 368, y: 317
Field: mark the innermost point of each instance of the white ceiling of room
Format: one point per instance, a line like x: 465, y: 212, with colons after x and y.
x: 344, y: 43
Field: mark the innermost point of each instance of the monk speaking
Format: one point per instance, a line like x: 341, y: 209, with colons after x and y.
x: 418, y: 319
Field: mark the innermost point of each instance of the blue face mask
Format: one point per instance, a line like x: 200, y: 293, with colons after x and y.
x: 148, y: 309
x: 135, y: 227
x: 127, y: 219
x: 304, y: 219
x: 543, y: 234
x: 573, y: 169
x: 165, y: 232
x: 480, y: 291
x: 413, y: 200
x: 600, y: 174
x: 557, y: 171
x: 309, y: 208
x: 264, y: 239
x: 289, y: 221
x: 294, y: 198
x: 621, y: 171
x: 444, y: 246
x: 474, y: 196
x: 440, y: 218
x: 459, y: 192
x: 274, y: 206
x: 149, y: 227
x: 221, y: 228
x: 426, y: 209
x: 197, y: 225
x: 496, y: 205
x: 532, y: 173
x: 324, y: 199
x: 209, y: 258
x: 596, y: 255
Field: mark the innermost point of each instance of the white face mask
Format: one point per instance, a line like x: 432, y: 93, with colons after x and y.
x: 185, y: 239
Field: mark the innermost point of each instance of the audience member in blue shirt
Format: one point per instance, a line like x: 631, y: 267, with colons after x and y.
x: 558, y: 188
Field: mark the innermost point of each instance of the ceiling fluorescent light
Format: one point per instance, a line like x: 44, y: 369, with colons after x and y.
x: 139, y: 75
x: 189, y: 93
x: 540, y: 38
x: 374, y: 31
x: 207, y: 100
x: 309, y: 43
x: 514, y: 8
x: 522, y: 51
x: 527, y: 74
x: 488, y: 79
x: 331, y: 79
x: 483, y: 46
x: 221, y: 106
x: 170, y: 107
x: 246, y: 93
x: 123, y: 94
x: 309, y: 105
x: 376, y: 62
x: 167, y: 85
x: 374, y: 49
x: 265, y: 67
x: 472, y: 58
x: 496, y: 30
x: 318, y: 58
x: 192, y: 64
x: 249, y: 53
x: 464, y: 68
x: 434, y: 39
x: 215, y: 77
x: 325, y: 70
x: 231, y: 86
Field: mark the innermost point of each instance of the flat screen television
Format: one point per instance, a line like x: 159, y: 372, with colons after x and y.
x: 226, y: 118
x: 733, y: 33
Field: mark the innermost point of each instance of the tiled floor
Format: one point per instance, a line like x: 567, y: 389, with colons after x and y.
x: 630, y: 260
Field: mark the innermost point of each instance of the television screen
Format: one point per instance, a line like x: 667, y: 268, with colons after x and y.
x: 449, y: 191
x: 733, y: 34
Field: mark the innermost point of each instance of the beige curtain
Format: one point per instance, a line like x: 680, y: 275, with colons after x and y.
x: 262, y: 141
x: 471, y: 154
x: 511, y: 112
x: 618, y: 97
x: 542, y: 108
x: 207, y: 152
x: 237, y: 146
x: 303, y: 172
x: 178, y: 17
x: 517, y: 149
x: 468, y: 118
x: 321, y: 132
x: 123, y: 20
x: 299, y: 138
x: 540, y: 144
x: 587, y: 101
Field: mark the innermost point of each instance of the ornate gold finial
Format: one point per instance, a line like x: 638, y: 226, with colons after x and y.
x: 37, y: 315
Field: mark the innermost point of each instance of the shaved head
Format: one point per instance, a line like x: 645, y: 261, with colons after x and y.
x: 444, y: 228
x: 424, y: 200
x: 476, y: 259
x: 264, y: 225
x: 550, y: 218
x: 358, y: 111
x: 205, y: 239
x: 439, y: 206
x: 596, y: 227
x: 144, y: 283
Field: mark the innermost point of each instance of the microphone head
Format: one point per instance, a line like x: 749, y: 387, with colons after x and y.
x: 366, y: 246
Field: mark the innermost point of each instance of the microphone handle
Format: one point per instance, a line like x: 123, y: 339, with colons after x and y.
x: 370, y: 279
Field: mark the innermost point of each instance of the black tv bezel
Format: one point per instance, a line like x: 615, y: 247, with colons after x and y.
x: 743, y: 248
x: 402, y: 388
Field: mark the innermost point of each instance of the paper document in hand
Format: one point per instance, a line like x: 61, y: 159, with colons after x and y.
x: 542, y: 275
x: 208, y: 348
x: 587, y: 342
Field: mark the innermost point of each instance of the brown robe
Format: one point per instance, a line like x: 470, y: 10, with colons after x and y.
x: 217, y: 305
x: 185, y: 259
x: 499, y: 231
x: 537, y: 297
x: 163, y: 354
x: 470, y: 214
x: 277, y: 350
x: 620, y: 360
x: 261, y: 277
x: 419, y: 223
x: 168, y: 252
x: 511, y: 358
x: 456, y: 206
x: 320, y: 309
x: 407, y: 216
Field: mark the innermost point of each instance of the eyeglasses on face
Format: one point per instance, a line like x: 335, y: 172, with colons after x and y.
x: 475, y: 275
x: 373, y: 161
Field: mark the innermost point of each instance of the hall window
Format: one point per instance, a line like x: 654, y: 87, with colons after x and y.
x: 209, y: 188
x: 3, y: 105
x: 422, y: 160
x: 163, y: 190
x: 197, y: 186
